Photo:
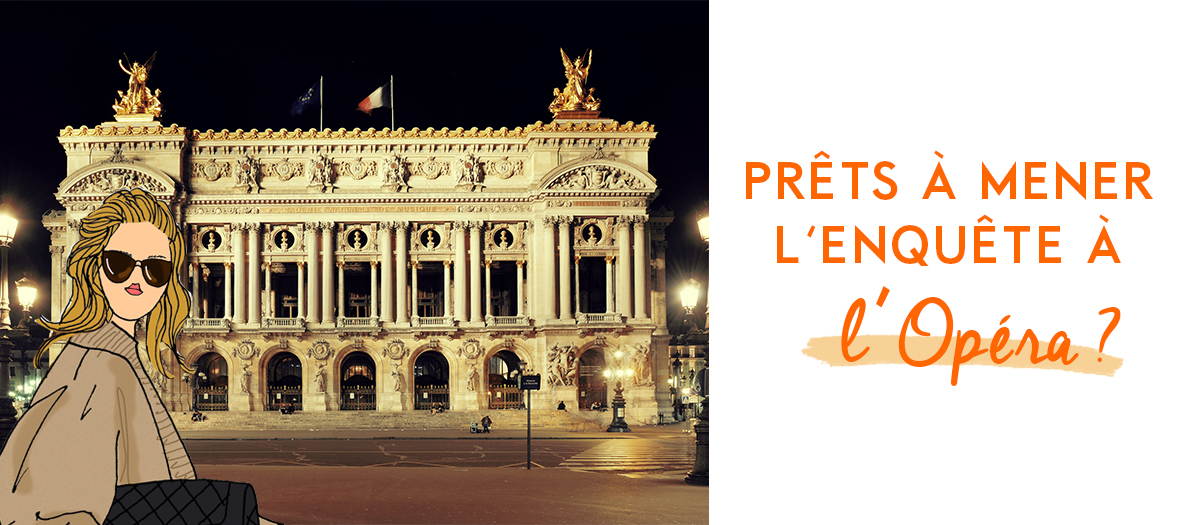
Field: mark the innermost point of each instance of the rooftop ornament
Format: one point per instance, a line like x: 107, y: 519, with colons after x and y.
x: 575, y: 101
x: 138, y: 104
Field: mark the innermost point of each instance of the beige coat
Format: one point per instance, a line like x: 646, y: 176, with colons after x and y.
x: 95, y: 422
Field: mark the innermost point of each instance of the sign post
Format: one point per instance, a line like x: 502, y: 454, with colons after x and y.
x: 529, y: 383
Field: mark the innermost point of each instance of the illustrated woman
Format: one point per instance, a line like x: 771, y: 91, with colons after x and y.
x: 96, y: 421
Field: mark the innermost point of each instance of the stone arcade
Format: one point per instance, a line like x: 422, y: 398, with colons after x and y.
x: 397, y: 270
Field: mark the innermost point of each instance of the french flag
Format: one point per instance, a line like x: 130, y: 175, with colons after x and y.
x: 378, y: 99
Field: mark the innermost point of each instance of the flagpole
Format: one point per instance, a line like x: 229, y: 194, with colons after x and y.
x: 391, y: 128
x: 321, y: 102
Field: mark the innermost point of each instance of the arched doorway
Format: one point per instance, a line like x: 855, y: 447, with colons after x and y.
x: 503, y: 390
x: 284, y: 382
x: 210, y: 383
x: 432, y: 377
x: 358, y: 382
x: 591, y: 382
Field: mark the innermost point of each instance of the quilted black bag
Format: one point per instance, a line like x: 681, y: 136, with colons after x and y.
x: 184, y: 502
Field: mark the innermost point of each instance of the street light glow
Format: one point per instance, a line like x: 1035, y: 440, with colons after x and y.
x: 8, y: 223
x: 689, y: 293
x: 26, y: 292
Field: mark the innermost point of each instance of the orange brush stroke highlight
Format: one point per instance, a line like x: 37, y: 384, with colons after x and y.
x: 883, y: 350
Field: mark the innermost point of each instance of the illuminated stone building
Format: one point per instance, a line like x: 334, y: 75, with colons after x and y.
x: 397, y: 270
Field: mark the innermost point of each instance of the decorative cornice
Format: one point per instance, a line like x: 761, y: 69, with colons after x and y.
x: 400, y: 133
x: 116, y: 131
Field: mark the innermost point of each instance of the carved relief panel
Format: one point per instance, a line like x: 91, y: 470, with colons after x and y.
x: 504, y: 237
x: 283, y: 238
x: 356, y: 238
x: 430, y: 237
x: 594, y: 233
x: 212, y: 239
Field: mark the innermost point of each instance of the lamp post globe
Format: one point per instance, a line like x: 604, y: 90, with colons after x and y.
x: 8, y: 224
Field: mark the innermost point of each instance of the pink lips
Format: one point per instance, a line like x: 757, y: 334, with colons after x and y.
x: 134, y: 289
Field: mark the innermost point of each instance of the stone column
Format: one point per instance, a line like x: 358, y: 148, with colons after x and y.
x: 474, y: 252
x: 487, y: 286
x: 623, y: 272
x: 459, y: 234
x: 563, y: 242
x: 446, y: 289
x: 269, y: 306
x: 385, y: 238
x: 400, y: 286
x: 520, y: 288
x: 659, y: 288
x: 239, y: 273
x: 642, y: 300
x: 340, y: 308
x: 227, y: 314
x: 302, y: 312
x: 610, y: 285
x: 328, y: 240
x: 414, y: 284
x: 577, y: 285
x: 373, y: 288
x: 311, y: 242
x: 194, y: 310
x: 57, y: 291
x: 255, y: 270
x: 543, y: 278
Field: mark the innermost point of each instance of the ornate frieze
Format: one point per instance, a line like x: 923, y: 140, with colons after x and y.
x: 113, y: 179
x: 596, y: 177
x: 431, y: 168
x: 357, y: 169
x: 468, y: 172
x: 283, y: 170
x: 503, y: 168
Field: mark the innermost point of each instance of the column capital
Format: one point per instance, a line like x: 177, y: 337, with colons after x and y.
x: 340, y: 264
x: 418, y: 266
x: 311, y: 226
x: 639, y: 219
x: 252, y: 227
x: 520, y: 264
x: 474, y: 225
x: 577, y: 260
x: 300, y: 264
x: 228, y: 265
x: 565, y: 220
x: 266, y: 266
x: 400, y: 226
x: 57, y: 250
x: 373, y: 264
x: 326, y: 227
x: 447, y: 263
x: 549, y: 221
x: 610, y: 259
x: 487, y: 263
x: 624, y: 220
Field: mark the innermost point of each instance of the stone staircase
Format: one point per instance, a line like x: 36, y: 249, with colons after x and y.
x: 373, y: 420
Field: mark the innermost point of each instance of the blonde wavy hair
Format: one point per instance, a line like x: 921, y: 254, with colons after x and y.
x: 89, y: 309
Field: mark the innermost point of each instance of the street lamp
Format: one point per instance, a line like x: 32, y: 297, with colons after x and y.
x: 8, y: 225
x: 26, y: 293
x: 700, y: 470
x: 618, y: 404
x: 689, y: 293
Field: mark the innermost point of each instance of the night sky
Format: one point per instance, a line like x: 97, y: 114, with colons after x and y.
x: 454, y: 64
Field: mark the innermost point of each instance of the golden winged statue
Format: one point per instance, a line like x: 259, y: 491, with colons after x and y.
x: 138, y: 99
x: 575, y: 96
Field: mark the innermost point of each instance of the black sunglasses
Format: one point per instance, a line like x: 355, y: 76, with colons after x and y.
x: 118, y: 267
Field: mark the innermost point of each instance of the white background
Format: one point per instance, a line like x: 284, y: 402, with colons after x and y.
x: 802, y: 442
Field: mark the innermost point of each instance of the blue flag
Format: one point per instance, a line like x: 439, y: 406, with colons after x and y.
x: 312, y: 97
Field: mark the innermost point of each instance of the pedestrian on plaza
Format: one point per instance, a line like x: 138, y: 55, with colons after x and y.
x: 486, y: 422
x: 561, y: 405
